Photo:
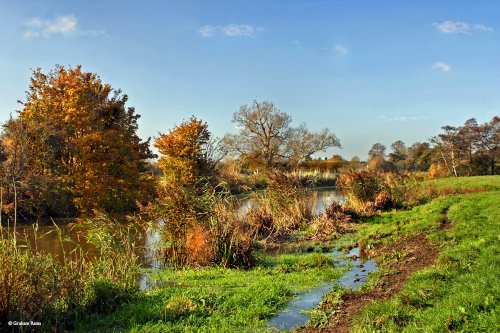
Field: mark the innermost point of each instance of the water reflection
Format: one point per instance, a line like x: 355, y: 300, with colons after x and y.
x: 296, y: 314
x: 322, y: 198
x: 47, y: 240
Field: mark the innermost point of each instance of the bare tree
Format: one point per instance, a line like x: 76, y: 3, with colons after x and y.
x: 267, y: 138
x: 447, y: 146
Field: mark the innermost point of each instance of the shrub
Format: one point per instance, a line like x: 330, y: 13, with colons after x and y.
x: 332, y: 223
x: 369, y: 191
x: 383, y: 201
x: 199, y: 228
x: 360, y: 187
x: 104, y: 296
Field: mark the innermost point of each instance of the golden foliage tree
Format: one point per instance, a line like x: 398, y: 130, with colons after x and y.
x: 184, y: 152
x: 84, y: 137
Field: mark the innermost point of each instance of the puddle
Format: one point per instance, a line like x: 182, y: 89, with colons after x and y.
x: 146, y: 282
x: 295, y: 314
x: 357, y: 275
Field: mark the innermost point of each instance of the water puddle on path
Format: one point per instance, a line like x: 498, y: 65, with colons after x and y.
x: 295, y: 315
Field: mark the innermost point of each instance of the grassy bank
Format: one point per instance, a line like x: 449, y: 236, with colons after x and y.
x: 460, y: 292
x: 218, y: 299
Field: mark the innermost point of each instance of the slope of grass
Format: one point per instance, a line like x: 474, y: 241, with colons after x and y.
x: 217, y: 299
x: 461, y: 292
x: 491, y: 183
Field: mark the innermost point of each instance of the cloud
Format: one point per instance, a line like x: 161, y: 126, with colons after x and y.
x: 441, y: 66
x: 341, y: 49
x: 207, y: 30
x: 457, y: 27
x: 239, y: 30
x: 230, y: 30
x: 61, y: 25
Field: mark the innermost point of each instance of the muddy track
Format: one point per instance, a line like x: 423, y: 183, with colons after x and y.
x: 419, y: 254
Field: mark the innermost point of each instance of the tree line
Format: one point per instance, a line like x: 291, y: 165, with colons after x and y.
x: 73, y: 148
x: 468, y: 150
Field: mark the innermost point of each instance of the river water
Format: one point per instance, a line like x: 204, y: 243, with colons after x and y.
x: 296, y: 314
x: 47, y: 239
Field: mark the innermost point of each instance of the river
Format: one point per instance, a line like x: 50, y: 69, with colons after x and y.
x: 47, y: 239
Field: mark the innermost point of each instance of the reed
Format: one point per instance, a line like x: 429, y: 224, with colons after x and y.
x: 57, y: 290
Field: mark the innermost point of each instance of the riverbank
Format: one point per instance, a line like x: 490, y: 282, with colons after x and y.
x: 439, y: 267
x: 218, y: 299
x: 438, y: 271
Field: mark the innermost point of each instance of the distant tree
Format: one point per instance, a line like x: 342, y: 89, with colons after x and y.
x: 398, y: 155
x: 447, y: 146
x: 377, y: 160
x: 84, y: 139
x: 266, y: 137
x: 419, y: 156
x: 489, y: 141
x: 468, y: 136
x: 398, y: 151
x: 377, y: 150
x: 469, y: 149
x: 355, y: 163
x: 379, y: 164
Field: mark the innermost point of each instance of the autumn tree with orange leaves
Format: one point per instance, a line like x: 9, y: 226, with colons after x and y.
x: 187, y: 152
x: 188, y: 159
x: 83, y: 138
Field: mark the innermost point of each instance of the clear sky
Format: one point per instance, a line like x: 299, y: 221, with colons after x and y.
x: 371, y: 71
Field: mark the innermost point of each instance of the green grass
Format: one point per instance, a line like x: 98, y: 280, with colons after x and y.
x: 461, y: 292
x: 491, y: 183
x: 217, y: 299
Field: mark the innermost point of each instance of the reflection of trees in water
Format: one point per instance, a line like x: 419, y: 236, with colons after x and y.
x: 148, y: 245
x: 324, y: 198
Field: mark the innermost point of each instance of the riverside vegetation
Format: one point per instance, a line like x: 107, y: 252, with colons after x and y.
x: 457, y: 292
x: 74, y: 152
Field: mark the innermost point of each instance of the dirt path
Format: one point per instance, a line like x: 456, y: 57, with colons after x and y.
x: 420, y: 253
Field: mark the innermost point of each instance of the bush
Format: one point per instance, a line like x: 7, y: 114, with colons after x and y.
x: 360, y: 187
x: 370, y: 191
x: 104, y: 296
x: 200, y: 229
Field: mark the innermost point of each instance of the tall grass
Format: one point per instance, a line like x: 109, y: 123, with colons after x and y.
x: 57, y: 290
x: 314, y: 178
x: 199, y: 228
x: 283, y: 207
x: 371, y: 191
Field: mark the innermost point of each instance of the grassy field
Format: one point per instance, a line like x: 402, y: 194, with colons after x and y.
x: 459, y: 293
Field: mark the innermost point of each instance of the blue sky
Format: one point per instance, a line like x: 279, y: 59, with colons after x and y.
x: 371, y: 71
